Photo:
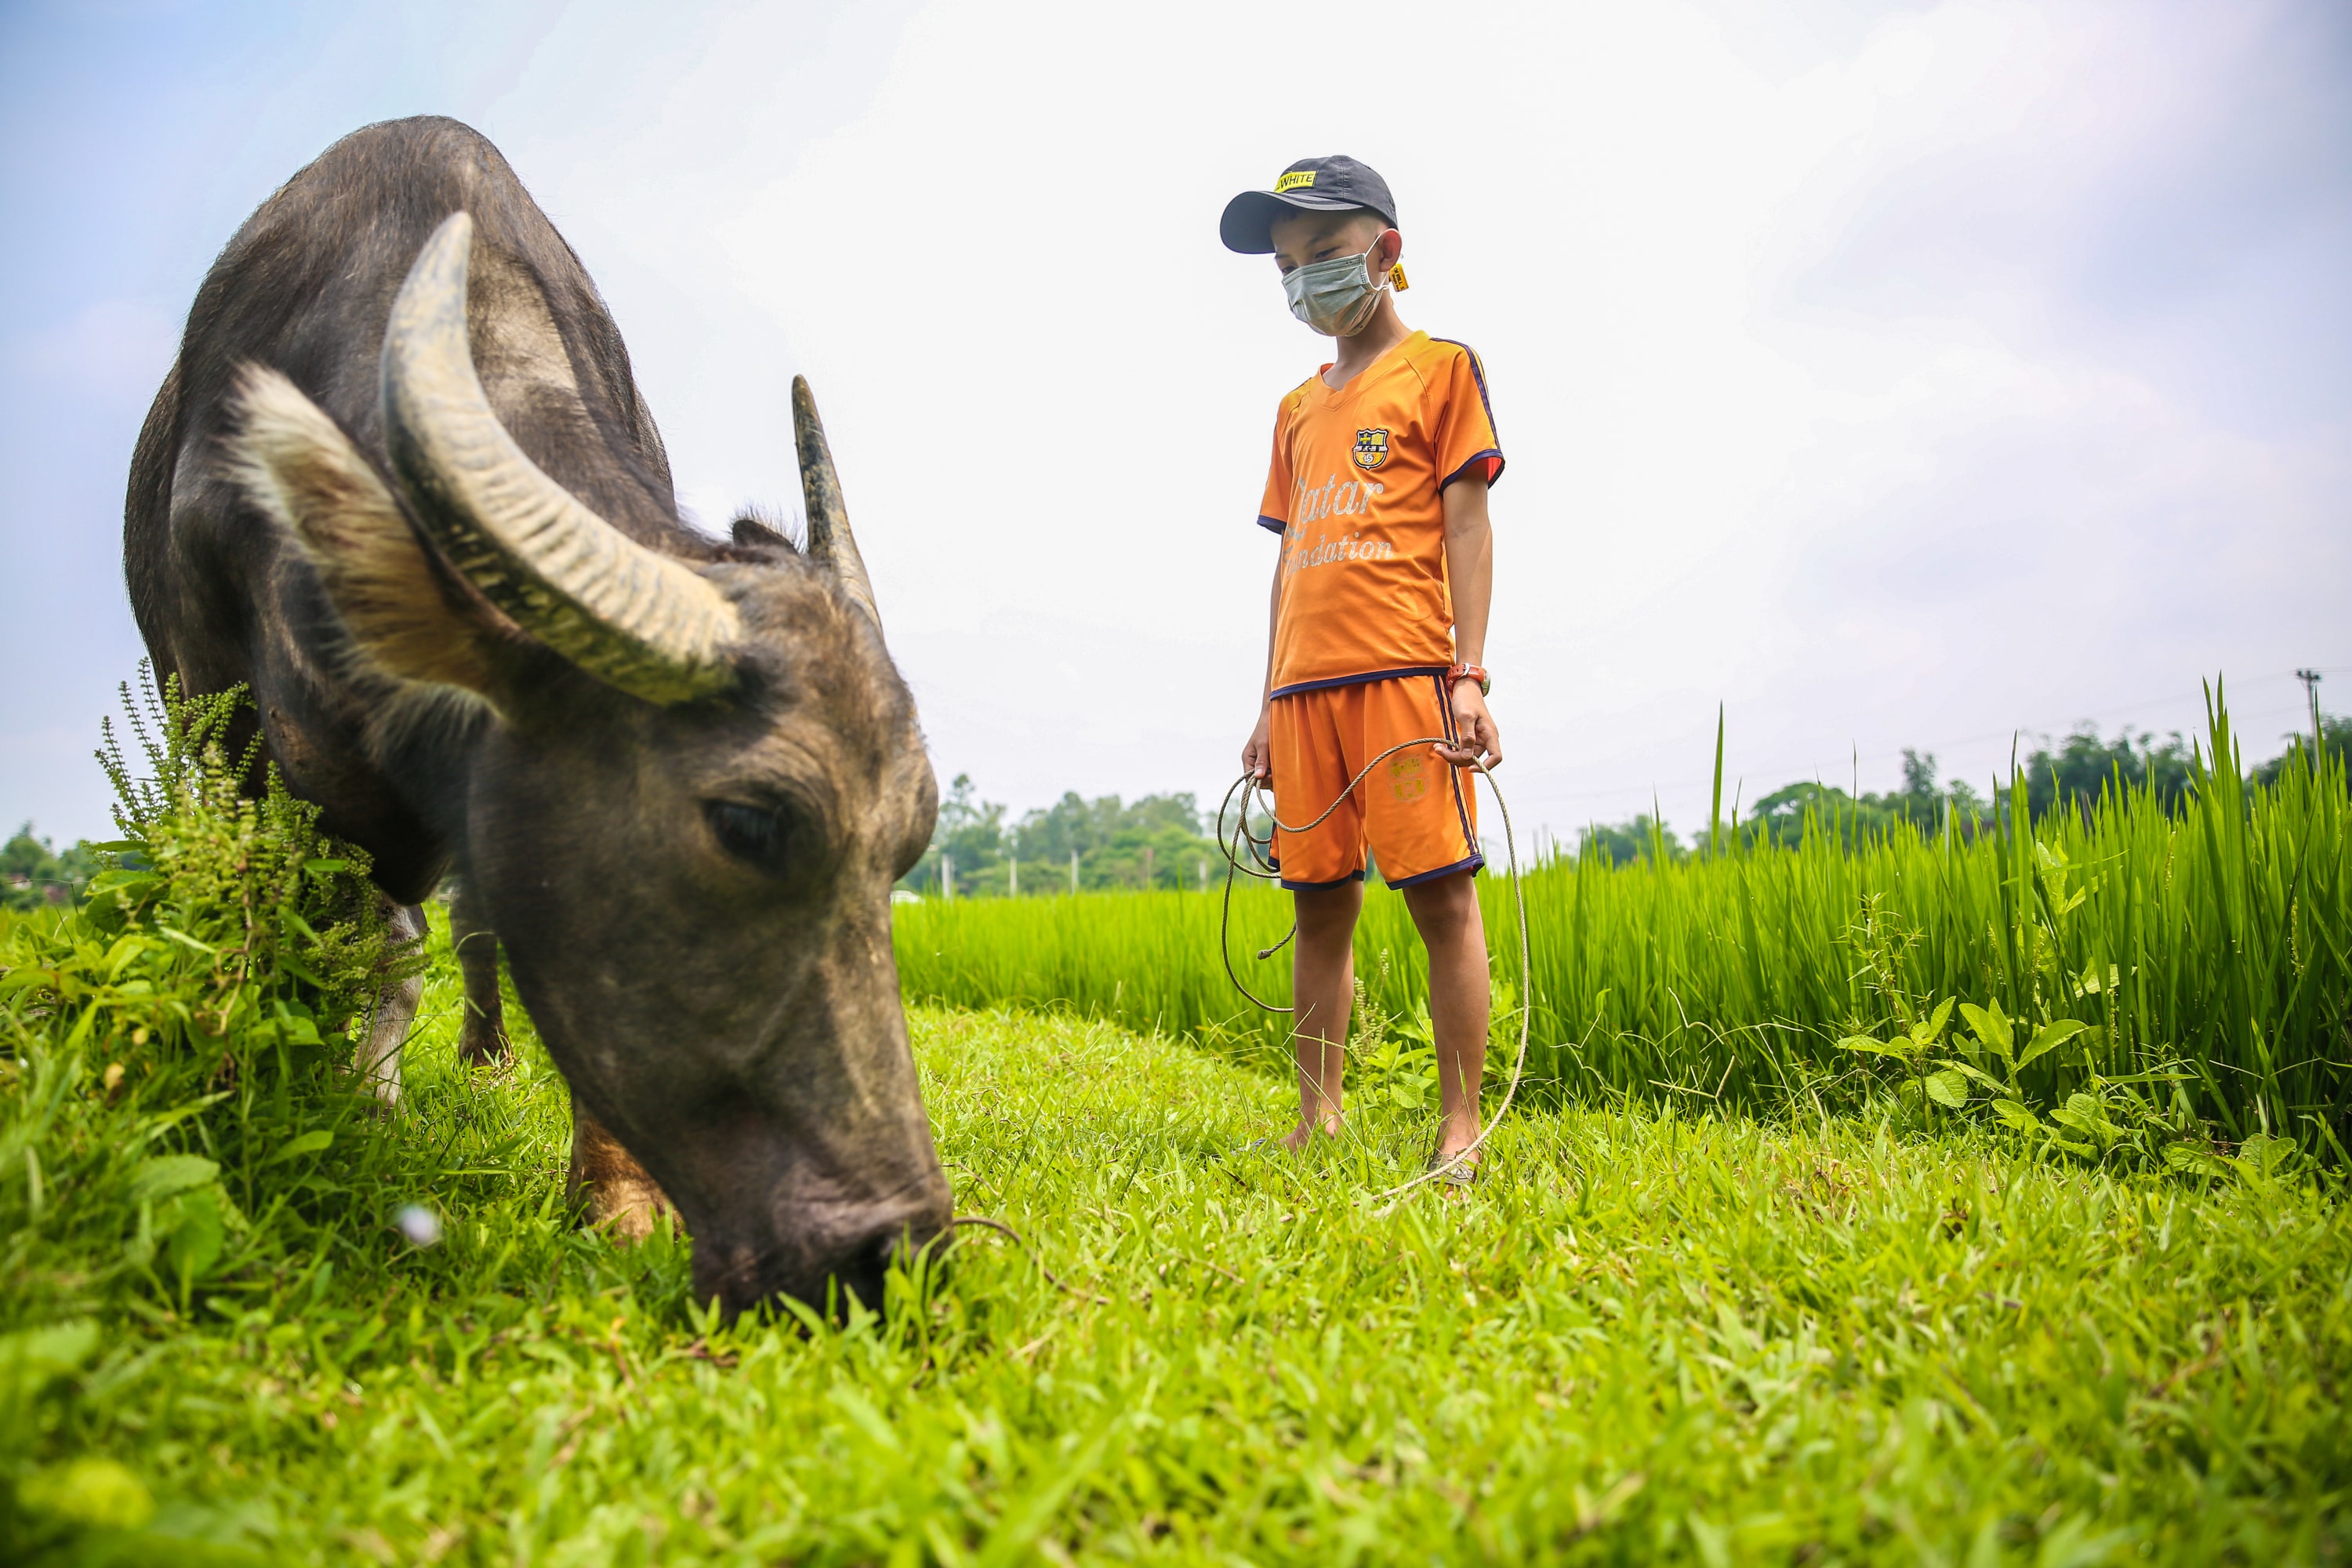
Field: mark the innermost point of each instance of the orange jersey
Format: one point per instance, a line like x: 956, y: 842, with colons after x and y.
x: 1357, y: 491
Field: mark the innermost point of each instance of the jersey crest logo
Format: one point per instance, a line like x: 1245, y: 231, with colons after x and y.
x: 1371, y: 448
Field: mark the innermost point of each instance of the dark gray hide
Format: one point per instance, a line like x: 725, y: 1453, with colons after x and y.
x: 677, y: 788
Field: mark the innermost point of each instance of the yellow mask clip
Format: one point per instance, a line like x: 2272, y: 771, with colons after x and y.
x: 1396, y: 276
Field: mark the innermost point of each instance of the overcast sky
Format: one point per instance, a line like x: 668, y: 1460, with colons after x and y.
x: 1899, y: 374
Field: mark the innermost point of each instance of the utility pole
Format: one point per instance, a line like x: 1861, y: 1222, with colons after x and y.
x: 1147, y: 866
x: 947, y: 876
x: 1014, y: 838
x: 1074, y: 870
x: 2310, y: 678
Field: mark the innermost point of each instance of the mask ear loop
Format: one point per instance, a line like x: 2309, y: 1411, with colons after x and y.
x: 1374, y: 282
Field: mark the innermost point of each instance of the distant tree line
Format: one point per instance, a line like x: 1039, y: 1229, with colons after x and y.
x: 2335, y: 740
x: 1158, y: 841
x: 34, y: 873
x: 2070, y: 776
x: 1166, y: 841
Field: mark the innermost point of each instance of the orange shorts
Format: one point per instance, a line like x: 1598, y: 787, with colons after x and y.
x: 1415, y: 811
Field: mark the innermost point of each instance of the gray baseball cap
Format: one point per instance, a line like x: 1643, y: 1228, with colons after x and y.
x: 1312, y: 185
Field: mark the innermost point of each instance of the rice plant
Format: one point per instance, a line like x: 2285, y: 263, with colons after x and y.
x: 2207, y: 953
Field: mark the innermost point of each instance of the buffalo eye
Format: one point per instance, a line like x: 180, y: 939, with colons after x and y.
x: 756, y: 834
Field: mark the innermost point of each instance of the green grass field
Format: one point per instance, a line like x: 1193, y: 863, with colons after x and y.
x: 1643, y: 1339
x: 244, y: 1320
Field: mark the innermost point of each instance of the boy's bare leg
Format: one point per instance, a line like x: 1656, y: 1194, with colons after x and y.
x: 1447, y: 914
x: 1323, y: 987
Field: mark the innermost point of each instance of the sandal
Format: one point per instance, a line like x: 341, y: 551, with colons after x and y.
x: 1460, y: 1176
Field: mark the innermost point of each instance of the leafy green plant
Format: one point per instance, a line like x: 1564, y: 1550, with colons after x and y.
x: 1994, y: 1039
x: 1983, y: 1070
x: 1932, y: 1083
x: 178, y: 1127
x: 204, y: 995
x: 1391, y: 1058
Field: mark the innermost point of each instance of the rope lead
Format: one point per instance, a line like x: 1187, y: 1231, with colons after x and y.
x: 1240, y: 842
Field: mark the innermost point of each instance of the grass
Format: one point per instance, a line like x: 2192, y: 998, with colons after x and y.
x: 1646, y: 1338
x: 2214, y: 946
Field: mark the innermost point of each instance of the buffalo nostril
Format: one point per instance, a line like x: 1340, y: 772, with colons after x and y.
x: 863, y: 1267
x: 900, y: 1248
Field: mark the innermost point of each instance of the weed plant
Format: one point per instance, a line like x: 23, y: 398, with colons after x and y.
x: 179, y: 1120
x: 2206, y: 955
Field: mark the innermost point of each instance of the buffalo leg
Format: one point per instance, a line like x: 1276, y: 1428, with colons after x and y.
x: 608, y: 1181
x: 484, y: 1038
x: 394, y: 1012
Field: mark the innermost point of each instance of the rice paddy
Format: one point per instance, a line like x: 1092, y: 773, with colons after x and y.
x: 2212, y: 949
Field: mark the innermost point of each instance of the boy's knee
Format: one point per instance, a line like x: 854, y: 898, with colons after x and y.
x: 1456, y: 895
x: 1325, y: 908
x: 1445, y: 909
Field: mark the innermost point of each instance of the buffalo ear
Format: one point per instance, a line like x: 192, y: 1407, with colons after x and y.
x: 758, y: 533
x: 304, y: 476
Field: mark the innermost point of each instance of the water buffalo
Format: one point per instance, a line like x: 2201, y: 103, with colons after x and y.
x: 402, y: 484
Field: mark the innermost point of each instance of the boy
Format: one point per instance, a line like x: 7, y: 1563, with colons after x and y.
x: 1382, y: 463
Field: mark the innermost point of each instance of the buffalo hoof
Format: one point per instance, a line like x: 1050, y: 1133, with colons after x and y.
x: 484, y: 1043
x: 607, y: 1184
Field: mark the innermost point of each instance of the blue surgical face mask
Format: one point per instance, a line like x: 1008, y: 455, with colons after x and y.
x: 1335, y: 297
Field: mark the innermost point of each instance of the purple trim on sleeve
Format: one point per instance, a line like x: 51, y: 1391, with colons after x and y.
x: 1271, y: 524
x: 1491, y: 455
x: 1478, y: 372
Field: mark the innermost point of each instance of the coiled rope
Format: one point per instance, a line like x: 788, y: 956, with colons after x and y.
x: 1247, y: 855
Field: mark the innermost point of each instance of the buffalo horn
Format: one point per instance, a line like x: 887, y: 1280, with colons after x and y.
x: 829, y: 538
x: 635, y: 618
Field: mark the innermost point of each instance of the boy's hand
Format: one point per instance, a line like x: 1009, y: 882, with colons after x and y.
x: 1257, y: 756
x: 1477, y: 728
